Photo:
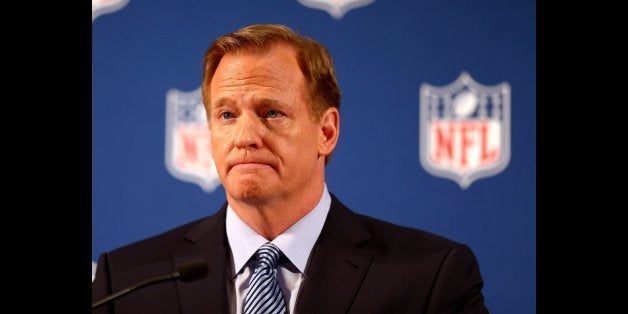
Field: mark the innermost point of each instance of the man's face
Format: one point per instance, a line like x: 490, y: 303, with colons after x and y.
x: 264, y: 141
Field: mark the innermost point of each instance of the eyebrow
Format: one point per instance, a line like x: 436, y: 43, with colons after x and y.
x: 268, y: 102
x: 220, y: 102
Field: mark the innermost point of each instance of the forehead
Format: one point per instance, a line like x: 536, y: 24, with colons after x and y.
x: 277, y: 63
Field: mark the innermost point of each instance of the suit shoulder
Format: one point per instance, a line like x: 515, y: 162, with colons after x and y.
x: 385, y: 233
x: 160, y: 246
x: 398, y: 235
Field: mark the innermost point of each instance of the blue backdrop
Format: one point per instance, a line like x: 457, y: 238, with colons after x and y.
x: 383, y: 52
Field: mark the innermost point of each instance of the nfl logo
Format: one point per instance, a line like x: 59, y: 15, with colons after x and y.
x: 188, y: 141
x: 464, y: 129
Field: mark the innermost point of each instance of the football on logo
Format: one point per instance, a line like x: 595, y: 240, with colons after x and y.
x: 464, y: 129
x: 100, y: 7
x: 188, y: 141
x: 336, y: 8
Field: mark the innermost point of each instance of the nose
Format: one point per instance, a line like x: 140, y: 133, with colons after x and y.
x: 249, y: 132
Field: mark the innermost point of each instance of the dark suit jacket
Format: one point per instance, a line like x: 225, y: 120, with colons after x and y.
x: 358, y: 265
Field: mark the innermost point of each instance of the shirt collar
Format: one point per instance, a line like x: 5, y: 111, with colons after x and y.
x: 296, y: 243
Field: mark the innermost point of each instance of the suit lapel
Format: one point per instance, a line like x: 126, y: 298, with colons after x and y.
x: 208, y: 242
x: 337, y: 265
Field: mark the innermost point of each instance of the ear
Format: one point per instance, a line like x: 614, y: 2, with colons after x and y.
x: 329, y: 127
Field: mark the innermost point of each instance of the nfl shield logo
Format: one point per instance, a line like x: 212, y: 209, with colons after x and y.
x: 464, y: 129
x: 188, y: 142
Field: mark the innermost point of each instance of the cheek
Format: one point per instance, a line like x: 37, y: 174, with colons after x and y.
x: 217, y: 143
x: 303, y: 143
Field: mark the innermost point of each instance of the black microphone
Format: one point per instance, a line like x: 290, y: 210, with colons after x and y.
x: 190, y: 271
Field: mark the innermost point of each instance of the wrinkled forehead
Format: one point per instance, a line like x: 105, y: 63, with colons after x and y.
x: 278, y: 64
x: 274, y: 74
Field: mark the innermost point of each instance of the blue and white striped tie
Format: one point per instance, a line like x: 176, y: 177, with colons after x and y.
x: 264, y: 295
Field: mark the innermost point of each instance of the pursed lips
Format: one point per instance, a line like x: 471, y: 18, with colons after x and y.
x: 250, y: 164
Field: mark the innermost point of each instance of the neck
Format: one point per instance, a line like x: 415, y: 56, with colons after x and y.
x: 270, y: 218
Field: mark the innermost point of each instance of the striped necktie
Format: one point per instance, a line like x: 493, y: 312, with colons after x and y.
x: 264, y: 294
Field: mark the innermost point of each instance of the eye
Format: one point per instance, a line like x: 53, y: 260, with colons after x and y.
x: 227, y: 115
x: 272, y: 114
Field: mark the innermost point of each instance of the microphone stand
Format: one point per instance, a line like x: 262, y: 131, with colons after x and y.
x: 138, y: 285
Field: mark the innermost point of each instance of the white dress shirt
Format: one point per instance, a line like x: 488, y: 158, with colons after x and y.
x: 296, y: 243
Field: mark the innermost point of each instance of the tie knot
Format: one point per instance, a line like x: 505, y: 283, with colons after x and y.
x: 268, y: 255
x: 264, y: 293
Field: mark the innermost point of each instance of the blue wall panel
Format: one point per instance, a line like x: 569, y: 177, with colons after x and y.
x: 383, y: 52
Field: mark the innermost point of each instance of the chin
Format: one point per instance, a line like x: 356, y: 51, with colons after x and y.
x: 248, y: 190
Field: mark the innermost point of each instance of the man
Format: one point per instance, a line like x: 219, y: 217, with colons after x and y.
x: 272, y: 99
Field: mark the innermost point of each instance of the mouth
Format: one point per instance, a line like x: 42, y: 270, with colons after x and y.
x: 250, y: 165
